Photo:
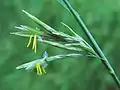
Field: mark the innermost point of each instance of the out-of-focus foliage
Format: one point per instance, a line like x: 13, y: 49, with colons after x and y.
x: 102, y: 18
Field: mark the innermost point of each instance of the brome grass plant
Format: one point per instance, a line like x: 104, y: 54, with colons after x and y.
x: 75, y: 44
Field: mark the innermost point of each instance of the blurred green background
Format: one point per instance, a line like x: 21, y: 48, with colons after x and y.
x: 102, y: 18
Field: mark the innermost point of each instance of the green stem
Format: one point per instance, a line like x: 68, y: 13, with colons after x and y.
x: 71, y: 55
x: 93, y: 42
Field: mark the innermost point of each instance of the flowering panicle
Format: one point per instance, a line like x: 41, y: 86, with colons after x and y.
x: 75, y: 44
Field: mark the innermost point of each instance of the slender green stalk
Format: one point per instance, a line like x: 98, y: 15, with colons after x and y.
x: 71, y: 55
x: 93, y: 42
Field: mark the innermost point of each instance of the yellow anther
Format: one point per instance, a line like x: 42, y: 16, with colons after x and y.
x: 43, y: 70
x: 34, y: 43
x: 37, y: 69
x: 40, y: 69
x: 30, y: 39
